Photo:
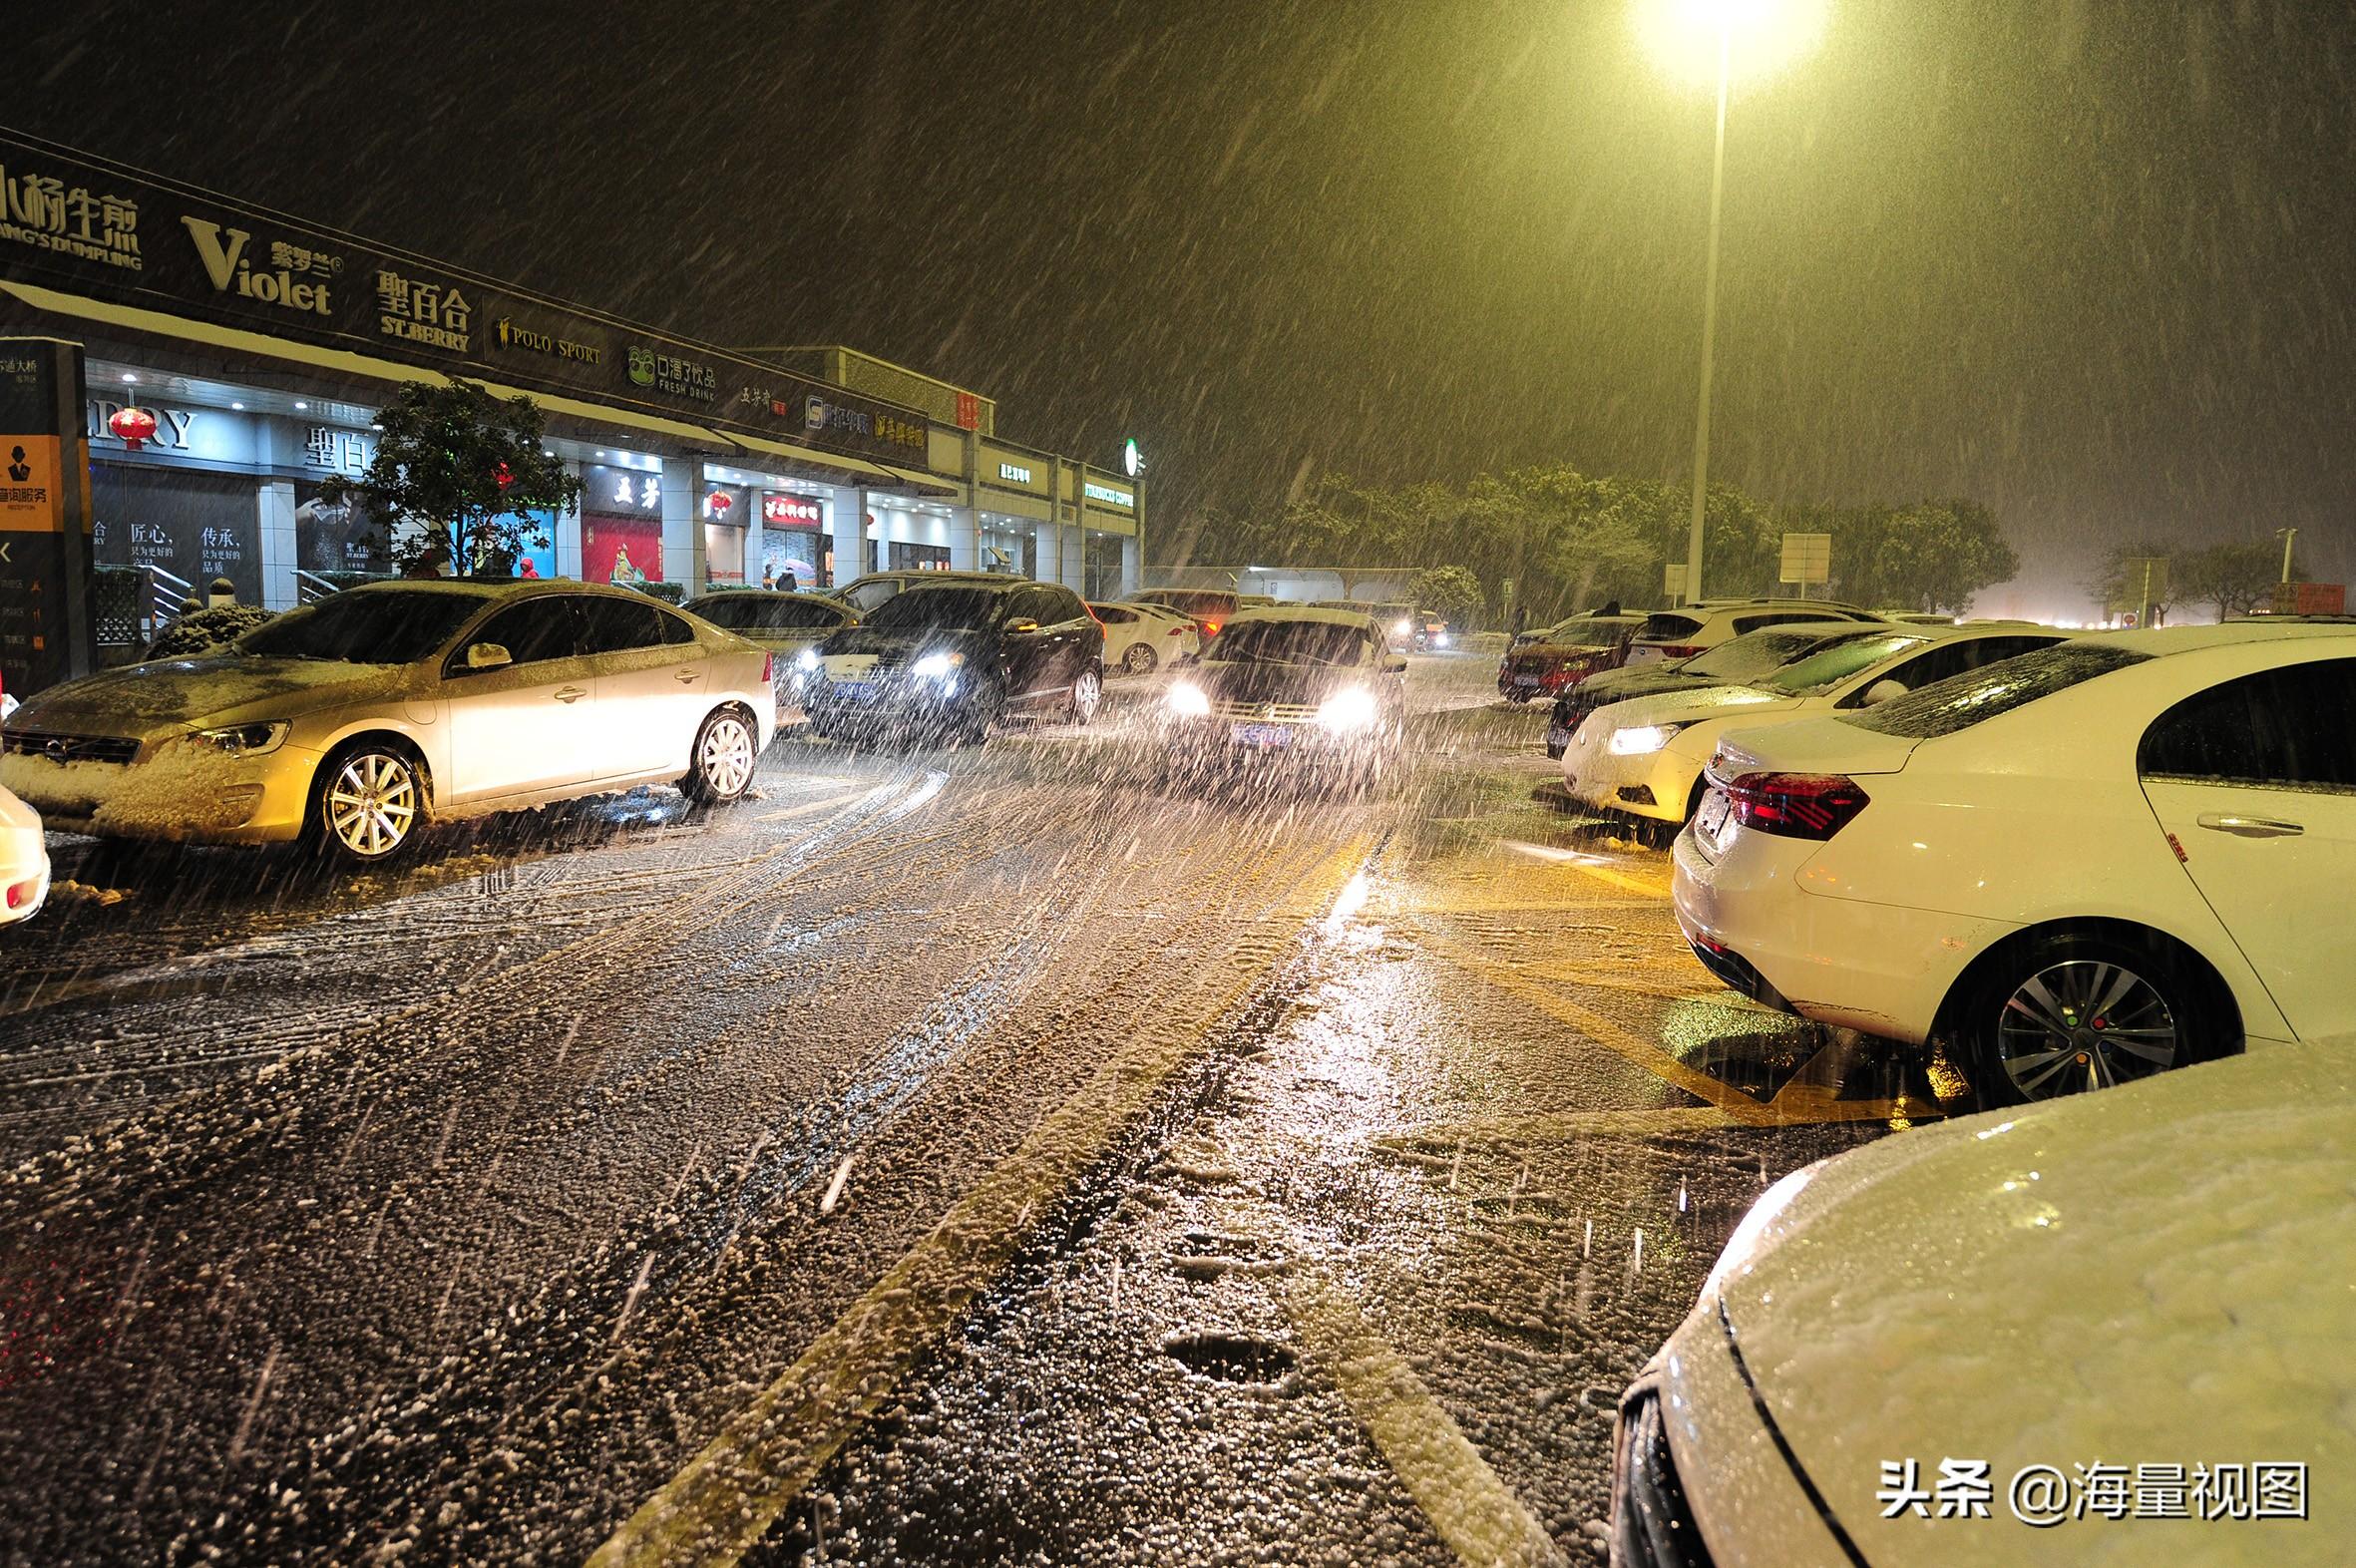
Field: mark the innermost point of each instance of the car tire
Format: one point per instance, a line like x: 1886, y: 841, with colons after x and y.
x: 2028, y: 1029
x: 721, y: 768
x: 1140, y: 659
x: 1087, y: 691
x: 368, y: 801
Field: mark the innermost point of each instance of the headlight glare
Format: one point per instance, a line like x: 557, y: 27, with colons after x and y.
x: 1642, y: 740
x: 1344, y: 711
x: 1189, y: 700
x: 938, y: 666
x: 245, y: 740
x: 809, y: 662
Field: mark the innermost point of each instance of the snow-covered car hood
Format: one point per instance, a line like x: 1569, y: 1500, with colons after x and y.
x: 1695, y: 707
x: 2161, y: 1274
x: 156, y: 698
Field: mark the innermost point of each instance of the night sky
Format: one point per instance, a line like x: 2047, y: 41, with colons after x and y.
x: 2088, y: 263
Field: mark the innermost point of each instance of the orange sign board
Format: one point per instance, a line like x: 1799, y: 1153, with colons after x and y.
x: 31, y: 497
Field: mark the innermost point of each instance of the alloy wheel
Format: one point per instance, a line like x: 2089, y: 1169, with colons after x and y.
x: 1086, y: 691
x: 372, y: 804
x: 725, y: 759
x: 2085, y: 1024
x: 1138, y: 661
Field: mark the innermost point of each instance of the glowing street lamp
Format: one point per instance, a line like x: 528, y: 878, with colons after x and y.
x: 1694, y: 39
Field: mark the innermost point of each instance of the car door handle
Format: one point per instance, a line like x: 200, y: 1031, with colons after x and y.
x: 688, y: 677
x: 570, y: 695
x: 2250, y: 827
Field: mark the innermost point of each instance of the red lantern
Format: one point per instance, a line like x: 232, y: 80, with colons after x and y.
x: 134, y: 425
x: 503, y: 476
x: 719, y: 502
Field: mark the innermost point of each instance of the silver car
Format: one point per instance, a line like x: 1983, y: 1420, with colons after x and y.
x: 352, y: 720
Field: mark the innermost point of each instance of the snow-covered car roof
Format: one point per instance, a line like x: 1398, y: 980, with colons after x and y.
x: 1334, y: 617
x: 2160, y: 641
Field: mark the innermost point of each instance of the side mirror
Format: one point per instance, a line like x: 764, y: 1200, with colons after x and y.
x: 1397, y: 663
x: 488, y: 656
x: 1022, y: 627
x: 1884, y: 689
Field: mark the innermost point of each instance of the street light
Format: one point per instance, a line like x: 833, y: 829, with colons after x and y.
x: 1694, y: 38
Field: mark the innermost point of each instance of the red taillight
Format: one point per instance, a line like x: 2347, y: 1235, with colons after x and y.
x: 1793, y: 805
x: 1681, y: 651
x: 769, y: 668
x: 1210, y: 629
x: 1177, y: 632
x: 20, y: 895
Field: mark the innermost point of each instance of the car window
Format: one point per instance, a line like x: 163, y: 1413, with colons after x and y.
x: 675, y: 629
x: 543, y: 628
x: 958, y: 606
x: 615, y: 624
x: 398, y: 627
x: 1070, y: 606
x: 750, y: 611
x: 1112, y: 616
x: 1777, y: 617
x: 1667, y: 627
x: 1828, y: 667
x: 1747, y: 658
x: 1949, y: 706
x: 1035, y: 603
x: 863, y: 596
x: 2288, y: 728
x: 1944, y: 660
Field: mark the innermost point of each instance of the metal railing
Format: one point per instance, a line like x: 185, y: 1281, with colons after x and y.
x: 310, y: 587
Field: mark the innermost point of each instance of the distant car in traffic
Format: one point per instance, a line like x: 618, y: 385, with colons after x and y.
x: 2086, y: 865
x: 353, y: 720
x: 1565, y: 655
x: 782, y: 623
x: 23, y: 860
x: 1741, y: 662
x: 1321, y: 687
x: 947, y: 660
x: 1644, y: 758
x: 2154, y: 1280
x: 1140, y: 639
x: 1402, y: 625
x: 1705, y: 623
x: 1208, y: 609
x: 868, y: 592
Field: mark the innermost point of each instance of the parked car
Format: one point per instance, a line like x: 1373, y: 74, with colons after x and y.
x: 1399, y: 620
x: 1644, y: 758
x: 783, y: 624
x: 23, y: 860
x: 866, y: 594
x: 1322, y: 686
x: 1208, y: 609
x: 2087, y: 865
x: 1705, y: 623
x: 2154, y: 1280
x: 1918, y: 617
x: 1567, y: 655
x: 1141, y: 639
x: 1747, y: 659
x: 949, y: 660
x: 353, y: 720
x: 1254, y: 600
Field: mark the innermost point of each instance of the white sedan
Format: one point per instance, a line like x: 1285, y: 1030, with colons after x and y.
x: 2142, y: 1297
x: 23, y: 860
x: 1644, y: 757
x: 1140, y: 639
x: 2087, y: 865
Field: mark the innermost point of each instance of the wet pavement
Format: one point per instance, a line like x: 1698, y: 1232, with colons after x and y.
x: 990, y: 1156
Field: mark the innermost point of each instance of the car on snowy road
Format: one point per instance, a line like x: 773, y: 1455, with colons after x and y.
x: 1141, y: 639
x: 23, y: 860
x: 1644, y: 758
x: 1318, y: 688
x: 353, y: 720
x: 783, y: 624
x: 1564, y: 655
x: 2086, y: 865
x: 1705, y: 623
x: 1745, y: 659
x: 947, y: 660
x: 2139, y: 1296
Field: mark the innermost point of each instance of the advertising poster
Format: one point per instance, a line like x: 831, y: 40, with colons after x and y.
x: 337, y: 536
x: 626, y: 552
x: 194, y: 527
x: 537, y: 560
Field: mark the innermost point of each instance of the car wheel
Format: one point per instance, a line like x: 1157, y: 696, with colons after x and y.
x: 2076, y: 1012
x: 721, y: 769
x: 1087, y: 689
x: 1140, y: 659
x: 367, y: 802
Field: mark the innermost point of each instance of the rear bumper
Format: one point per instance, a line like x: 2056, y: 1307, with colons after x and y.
x: 23, y: 873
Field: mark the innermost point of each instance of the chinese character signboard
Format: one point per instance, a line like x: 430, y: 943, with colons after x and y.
x: 44, y: 606
x: 98, y: 229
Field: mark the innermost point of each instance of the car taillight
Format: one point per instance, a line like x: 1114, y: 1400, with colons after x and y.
x: 1177, y: 632
x: 769, y: 668
x: 1210, y: 629
x: 20, y: 895
x: 1793, y: 805
x: 1678, y: 650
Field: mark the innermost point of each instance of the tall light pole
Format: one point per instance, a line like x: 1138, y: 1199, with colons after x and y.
x: 1693, y: 546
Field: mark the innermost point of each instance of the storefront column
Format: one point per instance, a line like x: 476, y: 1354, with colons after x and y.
x: 682, y: 528
x: 1049, y: 558
x: 566, y: 535
x: 847, y: 513
x: 1075, y: 557
x: 965, y: 540
x: 1132, y: 567
x: 278, y: 549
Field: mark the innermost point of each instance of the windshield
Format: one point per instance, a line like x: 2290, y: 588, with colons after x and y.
x: 1747, y: 659
x: 1290, y: 643
x: 1192, y: 601
x: 957, y: 609
x: 1960, y: 701
x: 397, y: 627
x: 766, y: 613
x: 1821, y: 671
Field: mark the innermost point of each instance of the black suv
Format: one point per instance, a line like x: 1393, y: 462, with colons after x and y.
x: 949, y: 659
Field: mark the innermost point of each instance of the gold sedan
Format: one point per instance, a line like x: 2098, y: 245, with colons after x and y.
x: 353, y: 720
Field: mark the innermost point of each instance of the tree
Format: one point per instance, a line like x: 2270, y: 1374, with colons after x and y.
x: 2238, y: 579
x: 2119, y: 583
x: 1451, y: 593
x: 1936, y: 554
x: 457, y: 476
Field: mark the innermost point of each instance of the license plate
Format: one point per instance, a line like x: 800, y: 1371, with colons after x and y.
x: 1529, y: 680
x: 1263, y: 735
x: 860, y: 689
x: 1710, y: 819
x: 1559, y: 739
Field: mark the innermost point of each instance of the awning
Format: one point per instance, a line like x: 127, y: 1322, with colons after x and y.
x: 341, y: 362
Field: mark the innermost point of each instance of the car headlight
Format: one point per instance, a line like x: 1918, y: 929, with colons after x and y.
x: 245, y: 740
x: 1642, y: 739
x: 809, y: 663
x: 938, y: 666
x: 1744, y: 1244
x: 1440, y: 639
x: 1348, y: 710
x: 1189, y: 700
x: 1403, y: 628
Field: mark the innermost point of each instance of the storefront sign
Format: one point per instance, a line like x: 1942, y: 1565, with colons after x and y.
x: 45, y: 629
x: 337, y: 450
x: 784, y: 509
x: 108, y: 233
x: 1108, y: 495
x: 206, y: 434
x: 621, y: 492
x: 1016, y: 471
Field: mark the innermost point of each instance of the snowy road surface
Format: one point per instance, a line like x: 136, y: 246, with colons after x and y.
x: 979, y: 1155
